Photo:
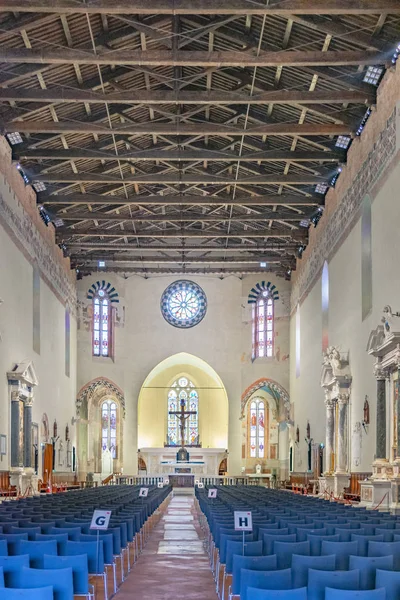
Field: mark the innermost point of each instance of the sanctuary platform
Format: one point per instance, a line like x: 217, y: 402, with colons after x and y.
x: 163, y: 461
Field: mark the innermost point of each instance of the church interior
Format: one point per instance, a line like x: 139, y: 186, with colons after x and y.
x: 200, y: 299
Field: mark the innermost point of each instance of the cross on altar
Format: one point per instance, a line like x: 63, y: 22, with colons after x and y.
x: 182, y: 415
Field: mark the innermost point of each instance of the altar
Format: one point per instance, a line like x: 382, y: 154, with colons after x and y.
x: 163, y: 461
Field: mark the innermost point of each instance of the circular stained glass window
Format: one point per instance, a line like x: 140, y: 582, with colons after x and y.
x: 183, y: 304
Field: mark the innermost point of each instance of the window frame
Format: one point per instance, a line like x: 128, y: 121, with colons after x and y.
x: 98, y: 299
x: 192, y: 423
x: 111, y: 405
x: 264, y: 300
x: 257, y: 404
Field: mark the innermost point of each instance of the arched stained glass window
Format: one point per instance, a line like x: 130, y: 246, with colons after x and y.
x: 183, y: 391
x: 256, y: 430
x: 263, y: 326
x: 109, y: 427
x: 101, y: 324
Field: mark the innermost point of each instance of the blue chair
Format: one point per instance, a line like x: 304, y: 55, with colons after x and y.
x: 36, y: 551
x: 302, y: 533
x: 60, y: 538
x: 265, y: 580
x: 367, y: 566
x: 343, y: 551
x: 390, y: 580
x: 363, y: 541
x: 3, y: 548
x: 388, y: 535
x: 268, y: 541
x: 341, y: 580
x: 345, y: 534
x: 316, y: 542
x: 1, y: 577
x: 257, y: 594
x: 80, y: 571
x: 60, y: 579
x: 12, y: 540
x: 73, y: 532
x: 285, y: 550
x: 384, y: 549
x: 44, y: 593
x: 31, y: 531
x: 333, y: 594
x: 95, y: 556
x: 301, y: 564
x: 11, y: 566
x: 252, y: 563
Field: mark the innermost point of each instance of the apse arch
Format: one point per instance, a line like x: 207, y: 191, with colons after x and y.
x: 153, y: 398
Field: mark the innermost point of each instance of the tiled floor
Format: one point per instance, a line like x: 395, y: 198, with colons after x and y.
x: 174, y: 564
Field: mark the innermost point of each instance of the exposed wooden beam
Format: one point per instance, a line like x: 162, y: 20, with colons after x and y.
x: 179, y: 155
x: 63, y: 233
x: 180, y: 217
x: 282, y: 246
x: 272, y: 200
x: 204, y: 7
x: 129, y: 260
x: 59, y: 94
x: 145, y: 271
x: 182, y: 58
x: 201, y: 128
x: 184, y: 179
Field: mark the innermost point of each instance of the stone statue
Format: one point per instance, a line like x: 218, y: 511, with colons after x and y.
x: 258, y: 469
x: 297, y: 435
x: 366, y: 411
x: 308, y: 430
x: 388, y: 319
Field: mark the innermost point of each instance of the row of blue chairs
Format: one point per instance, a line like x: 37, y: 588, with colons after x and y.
x: 47, y: 543
x: 295, y: 536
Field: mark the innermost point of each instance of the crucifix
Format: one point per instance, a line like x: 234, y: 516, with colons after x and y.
x: 182, y: 415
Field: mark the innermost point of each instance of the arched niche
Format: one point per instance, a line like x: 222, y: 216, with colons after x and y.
x: 89, y: 404
x: 153, y: 407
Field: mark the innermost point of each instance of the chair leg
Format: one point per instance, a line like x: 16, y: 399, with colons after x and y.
x: 105, y: 586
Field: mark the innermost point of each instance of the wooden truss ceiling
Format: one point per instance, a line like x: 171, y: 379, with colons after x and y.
x: 187, y: 136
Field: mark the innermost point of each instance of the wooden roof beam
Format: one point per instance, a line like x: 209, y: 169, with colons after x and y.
x: 181, y: 58
x: 180, y: 217
x: 60, y: 95
x: 63, y: 233
x: 190, y: 154
x: 217, y: 200
x: 282, y: 246
x: 204, y: 7
x: 199, y: 128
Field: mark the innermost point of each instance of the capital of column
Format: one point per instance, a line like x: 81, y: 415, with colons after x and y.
x: 329, y: 402
x: 15, y: 396
x: 379, y: 372
x: 29, y: 401
x: 343, y: 399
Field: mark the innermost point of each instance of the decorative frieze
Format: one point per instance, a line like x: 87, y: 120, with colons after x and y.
x: 342, y: 220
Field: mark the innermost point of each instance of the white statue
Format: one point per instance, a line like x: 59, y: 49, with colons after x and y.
x: 258, y: 469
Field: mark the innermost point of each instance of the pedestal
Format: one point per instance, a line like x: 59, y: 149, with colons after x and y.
x: 25, y: 481
x: 381, y: 469
x: 326, y: 485
x: 376, y: 493
x: 341, y: 481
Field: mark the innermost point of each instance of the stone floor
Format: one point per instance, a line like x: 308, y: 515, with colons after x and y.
x: 174, y: 563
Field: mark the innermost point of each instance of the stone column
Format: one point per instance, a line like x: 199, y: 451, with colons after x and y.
x: 341, y: 462
x: 16, y: 458
x: 398, y: 415
x: 330, y: 434
x: 28, y: 433
x: 380, y: 452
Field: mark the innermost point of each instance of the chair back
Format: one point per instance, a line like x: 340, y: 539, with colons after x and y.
x: 390, y: 580
x: 302, y: 563
x: 253, y: 563
x: 95, y: 556
x: 333, y: 594
x: 11, y: 566
x: 79, y: 566
x: 266, y: 580
x: 257, y: 594
x: 235, y: 547
x: 60, y: 579
x: 318, y: 580
x: 36, y: 551
x: 44, y: 593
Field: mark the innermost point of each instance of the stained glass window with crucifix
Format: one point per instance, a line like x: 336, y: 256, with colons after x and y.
x: 183, y: 389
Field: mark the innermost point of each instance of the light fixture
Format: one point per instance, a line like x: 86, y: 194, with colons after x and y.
x: 396, y: 54
x: 58, y: 222
x: 363, y: 122
x: 304, y: 223
x: 343, y: 141
x: 39, y: 186
x: 14, y: 138
x: 373, y: 75
x: 263, y: 264
x: 300, y: 250
x: 101, y: 264
x: 321, y: 188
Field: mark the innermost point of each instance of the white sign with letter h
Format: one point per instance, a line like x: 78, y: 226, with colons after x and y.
x: 243, y: 521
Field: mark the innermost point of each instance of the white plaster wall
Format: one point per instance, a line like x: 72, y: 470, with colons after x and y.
x: 347, y: 331
x: 55, y: 393
x: 222, y: 339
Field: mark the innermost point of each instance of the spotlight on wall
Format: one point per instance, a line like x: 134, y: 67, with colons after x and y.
x: 101, y: 264
x: 263, y: 264
x: 300, y: 250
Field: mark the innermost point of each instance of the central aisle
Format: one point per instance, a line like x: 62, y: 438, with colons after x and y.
x: 174, y: 563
